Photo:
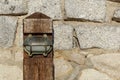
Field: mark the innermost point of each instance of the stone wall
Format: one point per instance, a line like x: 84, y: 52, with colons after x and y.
x: 86, y: 42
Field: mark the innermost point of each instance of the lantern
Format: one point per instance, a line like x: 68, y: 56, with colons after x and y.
x: 38, y: 35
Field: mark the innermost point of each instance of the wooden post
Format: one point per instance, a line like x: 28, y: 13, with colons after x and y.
x: 38, y: 67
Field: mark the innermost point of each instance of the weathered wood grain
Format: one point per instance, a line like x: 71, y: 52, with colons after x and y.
x: 38, y: 68
x: 37, y: 26
x: 37, y: 23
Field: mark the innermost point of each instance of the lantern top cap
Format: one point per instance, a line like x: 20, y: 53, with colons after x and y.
x: 38, y: 15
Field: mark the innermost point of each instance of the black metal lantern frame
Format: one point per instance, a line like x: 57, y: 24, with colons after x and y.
x: 38, y: 45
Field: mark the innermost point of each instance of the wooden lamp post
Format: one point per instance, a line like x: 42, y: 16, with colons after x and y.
x: 38, y: 47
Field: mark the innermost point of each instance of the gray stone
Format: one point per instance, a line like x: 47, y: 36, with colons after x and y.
x: 13, y: 7
x: 51, y: 8
x: 93, y: 10
x: 63, y: 36
x: 108, y: 63
x: 117, y: 15
x: 100, y: 36
x: 7, y: 31
x: 10, y: 73
x: 91, y: 74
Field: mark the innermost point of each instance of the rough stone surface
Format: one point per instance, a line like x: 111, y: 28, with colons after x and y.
x: 7, y: 31
x: 10, y: 73
x: 19, y: 34
x: 94, y: 10
x: 108, y: 63
x: 91, y: 74
x: 19, y: 55
x: 101, y: 36
x: 74, y: 73
x: 73, y: 55
x: 63, y: 36
x: 5, y: 55
x: 13, y: 6
x: 117, y: 15
x: 62, y: 67
x: 51, y: 8
x: 81, y: 48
